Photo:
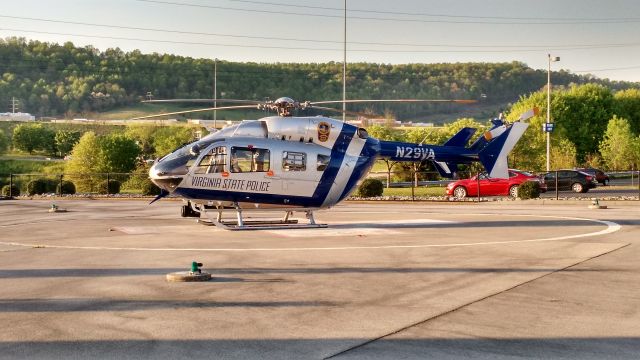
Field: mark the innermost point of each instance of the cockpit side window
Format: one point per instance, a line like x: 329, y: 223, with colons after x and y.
x: 213, y: 161
x: 249, y: 159
x: 294, y: 161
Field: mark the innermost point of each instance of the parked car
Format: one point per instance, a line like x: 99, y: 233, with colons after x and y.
x: 492, y: 186
x: 574, y: 180
x: 600, y: 175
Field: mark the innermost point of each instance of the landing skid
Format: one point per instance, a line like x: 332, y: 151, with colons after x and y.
x: 267, y: 224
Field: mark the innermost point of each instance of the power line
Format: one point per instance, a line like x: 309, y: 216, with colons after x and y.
x: 556, y: 47
x: 510, y: 50
x: 427, y: 14
x: 161, y: 30
x: 609, y: 69
x: 505, y: 20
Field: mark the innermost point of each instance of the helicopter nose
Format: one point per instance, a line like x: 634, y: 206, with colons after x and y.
x: 162, y: 180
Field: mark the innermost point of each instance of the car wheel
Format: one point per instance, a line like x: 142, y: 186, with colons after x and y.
x: 460, y: 192
x: 513, y: 191
x: 577, y: 187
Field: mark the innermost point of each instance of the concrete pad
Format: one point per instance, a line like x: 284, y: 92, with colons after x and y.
x: 90, y: 282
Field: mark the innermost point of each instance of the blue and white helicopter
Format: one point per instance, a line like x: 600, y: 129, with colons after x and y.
x: 302, y: 164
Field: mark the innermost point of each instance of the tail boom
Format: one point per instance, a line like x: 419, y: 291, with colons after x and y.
x: 492, y: 151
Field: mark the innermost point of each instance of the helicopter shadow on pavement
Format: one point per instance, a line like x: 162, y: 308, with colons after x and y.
x: 465, y: 224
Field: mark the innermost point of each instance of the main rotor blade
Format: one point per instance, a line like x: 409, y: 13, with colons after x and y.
x: 202, y: 101
x: 355, y: 113
x: 196, y: 110
x: 395, y: 101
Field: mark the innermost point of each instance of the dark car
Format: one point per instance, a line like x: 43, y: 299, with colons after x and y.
x: 574, y: 180
x: 600, y: 175
x: 492, y: 186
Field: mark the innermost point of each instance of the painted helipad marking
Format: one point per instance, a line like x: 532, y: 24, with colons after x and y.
x: 611, y: 227
x: 150, y: 230
x: 360, y: 228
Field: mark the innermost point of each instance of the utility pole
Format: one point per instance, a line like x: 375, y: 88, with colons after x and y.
x: 215, y: 92
x: 344, y: 67
x: 14, y: 105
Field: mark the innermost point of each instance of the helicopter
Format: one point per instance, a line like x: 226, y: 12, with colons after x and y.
x: 303, y: 163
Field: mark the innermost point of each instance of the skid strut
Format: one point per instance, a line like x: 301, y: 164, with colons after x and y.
x: 240, y: 223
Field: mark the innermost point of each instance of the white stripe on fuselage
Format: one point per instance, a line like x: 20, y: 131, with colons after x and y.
x: 501, y: 168
x: 346, y: 170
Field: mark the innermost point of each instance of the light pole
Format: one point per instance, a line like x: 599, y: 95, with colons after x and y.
x: 547, y: 127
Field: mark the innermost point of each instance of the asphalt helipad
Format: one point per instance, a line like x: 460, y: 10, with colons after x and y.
x: 384, y: 280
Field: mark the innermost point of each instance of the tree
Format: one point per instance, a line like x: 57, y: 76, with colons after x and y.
x: 31, y: 137
x: 619, y: 148
x: 168, y: 139
x: 65, y: 141
x: 4, y: 142
x: 562, y: 154
x: 143, y: 134
x: 118, y: 153
x: 94, y: 155
x: 627, y: 105
x: 85, y: 163
x: 581, y: 115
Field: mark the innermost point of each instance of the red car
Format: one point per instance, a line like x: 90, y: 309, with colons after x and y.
x: 491, y: 186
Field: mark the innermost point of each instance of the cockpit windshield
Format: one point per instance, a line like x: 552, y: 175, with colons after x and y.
x: 178, y: 162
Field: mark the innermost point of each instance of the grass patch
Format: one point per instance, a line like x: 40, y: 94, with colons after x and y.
x: 418, y: 191
x: 23, y: 166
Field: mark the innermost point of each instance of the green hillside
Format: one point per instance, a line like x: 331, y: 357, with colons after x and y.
x: 56, y: 80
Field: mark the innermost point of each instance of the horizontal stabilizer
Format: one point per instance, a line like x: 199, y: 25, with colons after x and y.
x: 446, y: 170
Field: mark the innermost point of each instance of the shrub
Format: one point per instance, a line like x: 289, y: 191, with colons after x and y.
x: 15, y: 191
x: 67, y: 188
x: 139, y: 179
x: 370, y: 188
x: 113, y: 186
x: 529, y: 190
x: 149, y: 188
x: 37, y: 187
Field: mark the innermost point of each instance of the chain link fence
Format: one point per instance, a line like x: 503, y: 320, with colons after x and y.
x: 110, y: 184
x: 68, y: 184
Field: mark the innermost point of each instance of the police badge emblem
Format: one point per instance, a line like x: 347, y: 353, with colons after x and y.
x: 324, y: 129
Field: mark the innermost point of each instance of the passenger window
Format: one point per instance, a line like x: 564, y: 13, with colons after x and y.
x: 245, y: 159
x: 294, y: 161
x: 261, y: 160
x: 213, y: 162
x: 323, y: 162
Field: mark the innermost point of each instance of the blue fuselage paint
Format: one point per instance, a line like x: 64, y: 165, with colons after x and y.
x: 367, y: 158
x: 338, y: 153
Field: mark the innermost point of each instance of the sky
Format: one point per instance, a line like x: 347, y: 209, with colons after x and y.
x: 590, y: 36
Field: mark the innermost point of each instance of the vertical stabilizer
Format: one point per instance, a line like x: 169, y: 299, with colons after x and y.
x: 494, y: 155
